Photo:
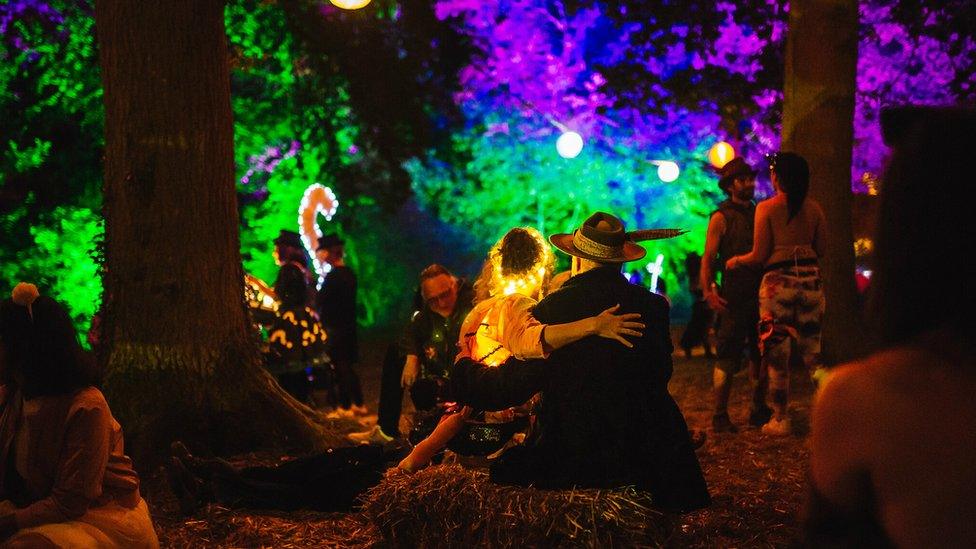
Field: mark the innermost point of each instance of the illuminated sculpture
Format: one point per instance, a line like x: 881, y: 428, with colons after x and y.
x: 317, y: 199
x: 656, y: 268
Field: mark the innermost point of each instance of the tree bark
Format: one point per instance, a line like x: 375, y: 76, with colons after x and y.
x: 181, y: 356
x: 818, y: 123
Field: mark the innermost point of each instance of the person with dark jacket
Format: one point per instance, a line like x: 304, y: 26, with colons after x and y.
x: 421, y: 360
x: 606, y: 418
x: 336, y: 304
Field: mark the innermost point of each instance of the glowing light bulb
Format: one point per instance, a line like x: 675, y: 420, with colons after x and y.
x: 720, y: 154
x: 668, y: 171
x: 349, y: 4
x: 569, y: 144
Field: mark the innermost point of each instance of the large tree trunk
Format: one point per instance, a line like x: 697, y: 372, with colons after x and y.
x: 818, y: 123
x: 181, y: 355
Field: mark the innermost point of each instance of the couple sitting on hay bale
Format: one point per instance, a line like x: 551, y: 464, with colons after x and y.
x: 605, y: 418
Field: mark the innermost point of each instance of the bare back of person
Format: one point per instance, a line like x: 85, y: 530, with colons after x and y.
x: 800, y: 238
x: 896, y: 432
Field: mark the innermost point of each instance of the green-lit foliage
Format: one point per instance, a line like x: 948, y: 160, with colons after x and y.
x: 295, y: 127
x: 510, y: 182
x: 60, y: 258
x: 50, y: 153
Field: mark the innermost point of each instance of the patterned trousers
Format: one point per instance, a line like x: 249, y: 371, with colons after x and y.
x: 791, y: 306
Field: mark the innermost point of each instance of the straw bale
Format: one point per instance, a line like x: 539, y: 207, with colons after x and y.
x: 447, y: 505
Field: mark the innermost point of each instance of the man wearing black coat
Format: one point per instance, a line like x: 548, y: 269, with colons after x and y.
x: 606, y: 417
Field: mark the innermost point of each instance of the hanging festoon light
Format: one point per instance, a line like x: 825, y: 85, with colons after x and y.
x: 349, y: 4
x: 667, y: 171
x: 720, y: 154
x: 569, y: 144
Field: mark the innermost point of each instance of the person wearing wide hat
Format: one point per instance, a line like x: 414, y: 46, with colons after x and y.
x: 736, y: 301
x: 288, y: 246
x: 606, y: 417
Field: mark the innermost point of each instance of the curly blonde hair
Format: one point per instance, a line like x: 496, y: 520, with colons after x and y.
x: 520, y: 258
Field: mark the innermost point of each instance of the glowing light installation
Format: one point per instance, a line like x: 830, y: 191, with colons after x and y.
x: 668, y: 171
x: 532, y: 279
x: 569, y: 144
x: 350, y: 4
x: 720, y: 154
x: 656, y: 268
x: 317, y: 199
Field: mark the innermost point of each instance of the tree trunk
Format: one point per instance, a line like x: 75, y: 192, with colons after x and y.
x: 818, y: 123
x: 181, y: 357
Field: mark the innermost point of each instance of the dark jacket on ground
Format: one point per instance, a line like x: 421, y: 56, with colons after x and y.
x: 606, y: 418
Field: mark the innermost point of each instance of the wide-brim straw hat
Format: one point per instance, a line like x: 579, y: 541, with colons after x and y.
x: 602, y: 238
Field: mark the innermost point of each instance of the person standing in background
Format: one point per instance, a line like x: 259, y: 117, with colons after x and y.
x: 336, y: 304
x: 736, y: 301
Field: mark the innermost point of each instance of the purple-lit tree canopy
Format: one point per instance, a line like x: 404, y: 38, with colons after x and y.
x: 642, y: 84
x: 461, y: 101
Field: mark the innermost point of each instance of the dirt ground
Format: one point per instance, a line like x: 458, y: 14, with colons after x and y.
x: 757, y: 482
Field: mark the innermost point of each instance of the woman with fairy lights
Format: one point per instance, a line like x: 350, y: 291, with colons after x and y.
x: 514, y: 277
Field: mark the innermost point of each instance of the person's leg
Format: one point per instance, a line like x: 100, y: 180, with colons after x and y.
x: 351, y: 393
x: 696, y: 331
x: 759, y: 412
x: 809, y: 320
x: 776, y: 336
x: 328, y: 481
x: 730, y: 346
x: 391, y: 393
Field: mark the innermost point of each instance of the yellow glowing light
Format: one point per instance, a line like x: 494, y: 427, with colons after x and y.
x: 349, y: 4
x: 720, y: 154
x: 870, y: 181
x: 863, y: 246
x: 529, y: 281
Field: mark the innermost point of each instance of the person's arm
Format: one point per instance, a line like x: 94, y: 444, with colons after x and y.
x: 80, y: 470
x: 608, y: 324
x: 525, y: 337
x: 762, y: 241
x: 495, y: 388
x: 408, y: 348
x: 706, y: 277
x: 411, y: 369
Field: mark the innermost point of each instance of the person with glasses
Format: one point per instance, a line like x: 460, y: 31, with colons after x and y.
x: 514, y: 277
x: 421, y: 360
x: 790, y: 237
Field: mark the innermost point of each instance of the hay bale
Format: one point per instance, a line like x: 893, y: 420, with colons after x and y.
x: 447, y: 505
